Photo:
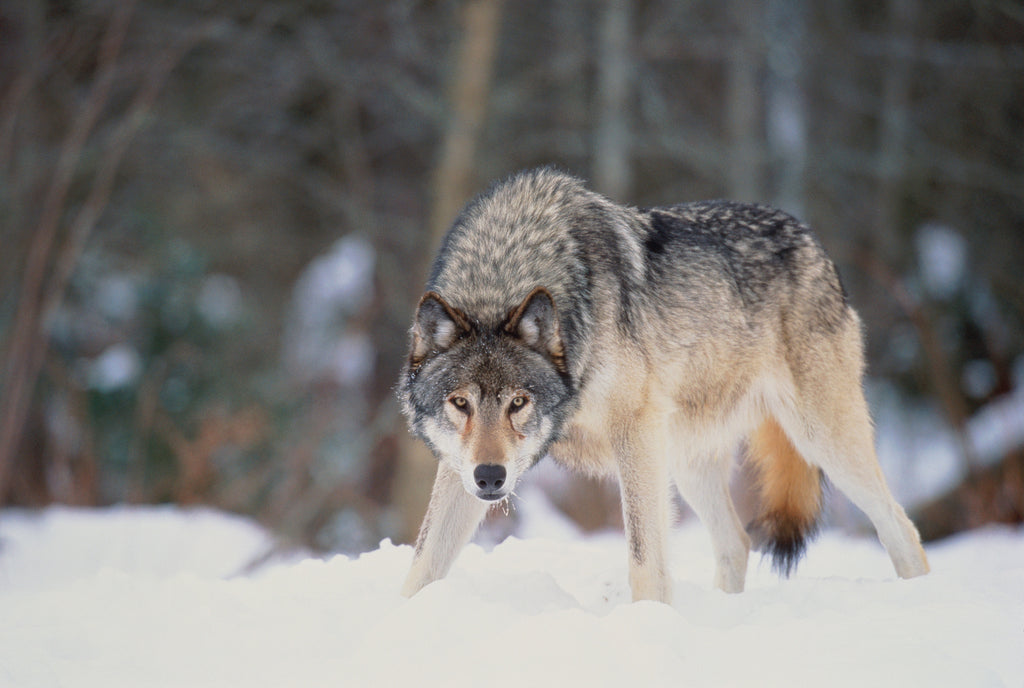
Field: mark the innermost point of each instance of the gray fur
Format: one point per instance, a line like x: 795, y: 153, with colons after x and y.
x: 634, y: 334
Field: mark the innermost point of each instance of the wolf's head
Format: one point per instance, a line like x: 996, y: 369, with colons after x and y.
x: 488, y: 400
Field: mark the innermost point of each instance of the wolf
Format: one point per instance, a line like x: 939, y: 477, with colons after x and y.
x: 649, y: 344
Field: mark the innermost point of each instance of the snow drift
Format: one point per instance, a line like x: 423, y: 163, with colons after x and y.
x: 164, y: 597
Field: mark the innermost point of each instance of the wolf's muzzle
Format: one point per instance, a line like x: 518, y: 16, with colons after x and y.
x: 490, y: 479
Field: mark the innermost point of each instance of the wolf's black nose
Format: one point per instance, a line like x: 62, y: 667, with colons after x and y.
x: 489, y: 478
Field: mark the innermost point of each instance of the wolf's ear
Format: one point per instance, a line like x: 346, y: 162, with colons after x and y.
x: 535, y: 322
x: 436, y: 328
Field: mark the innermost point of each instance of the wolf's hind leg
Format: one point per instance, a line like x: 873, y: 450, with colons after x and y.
x: 704, y: 483
x: 453, y: 515
x: 833, y: 431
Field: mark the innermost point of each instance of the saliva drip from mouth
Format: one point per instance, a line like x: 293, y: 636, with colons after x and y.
x: 505, y: 504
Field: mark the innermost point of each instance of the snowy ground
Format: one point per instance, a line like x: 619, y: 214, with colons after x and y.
x: 161, y: 597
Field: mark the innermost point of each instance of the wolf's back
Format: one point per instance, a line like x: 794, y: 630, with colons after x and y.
x: 763, y: 257
x: 695, y: 267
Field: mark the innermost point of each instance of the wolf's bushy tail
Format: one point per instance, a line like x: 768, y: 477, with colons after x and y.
x: 791, y: 496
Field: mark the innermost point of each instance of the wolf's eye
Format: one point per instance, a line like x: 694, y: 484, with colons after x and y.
x: 459, y: 403
x: 517, y: 403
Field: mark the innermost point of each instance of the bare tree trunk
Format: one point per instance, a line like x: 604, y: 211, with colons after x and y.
x: 471, y: 86
x: 612, y: 168
x: 569, y: 61
x: 785, y: 116
x: 453, y: 180
x: 745, y: 157
x: 895, y: 121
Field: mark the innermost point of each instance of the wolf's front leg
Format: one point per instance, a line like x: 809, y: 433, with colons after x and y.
x: 452, y: 517
x: 643, y: 475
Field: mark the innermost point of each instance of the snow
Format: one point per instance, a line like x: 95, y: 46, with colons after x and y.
x: 942, y: 257
x: 220, y: 300
x: 168, y: 597
x: 333, y: 287
x: 117, y: 367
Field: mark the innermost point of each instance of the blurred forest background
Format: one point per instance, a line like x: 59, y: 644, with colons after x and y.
x: 217, y: 217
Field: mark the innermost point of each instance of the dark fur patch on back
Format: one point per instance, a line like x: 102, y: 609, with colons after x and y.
x: 660, y: 233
